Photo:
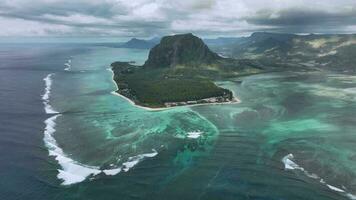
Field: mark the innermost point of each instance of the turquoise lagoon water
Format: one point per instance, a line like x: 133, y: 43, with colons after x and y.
x: 291, y: 137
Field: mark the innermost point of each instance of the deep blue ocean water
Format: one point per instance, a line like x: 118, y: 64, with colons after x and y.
x: 23, y: 155
x: 291, y: 137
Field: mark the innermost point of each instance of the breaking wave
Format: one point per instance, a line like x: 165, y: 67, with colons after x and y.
x: 45, y: 97
x: 71, y: 171
x: 290, y: 164
x: 68, y: 65
x: 194, y: 134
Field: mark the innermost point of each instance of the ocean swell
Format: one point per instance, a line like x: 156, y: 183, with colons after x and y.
x: 71, y: 171
x: 290, y: 164
x: 132, y: 161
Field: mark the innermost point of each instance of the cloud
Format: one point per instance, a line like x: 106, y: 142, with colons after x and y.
x: 147, y: 18
x: 302, y: 17
x: 22, y: 27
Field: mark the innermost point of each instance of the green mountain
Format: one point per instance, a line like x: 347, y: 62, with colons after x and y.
x: 181, y: 50
x: 221, y: 41
x: 180, y: 70
x: 188, y: 55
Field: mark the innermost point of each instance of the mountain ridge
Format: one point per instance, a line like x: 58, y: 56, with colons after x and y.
x: 325, y: 51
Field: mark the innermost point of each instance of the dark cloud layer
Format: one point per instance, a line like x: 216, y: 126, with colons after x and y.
x: 303, y: 17
x: 147, y: 18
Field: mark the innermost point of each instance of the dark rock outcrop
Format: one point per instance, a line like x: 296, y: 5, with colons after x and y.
x: 181, y: 50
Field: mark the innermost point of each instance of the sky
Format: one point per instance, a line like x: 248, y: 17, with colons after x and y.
x: 151, y: 18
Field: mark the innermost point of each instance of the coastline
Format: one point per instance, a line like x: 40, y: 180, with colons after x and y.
x: 234, y: 101
x: 138, y: 106
x: 129, y: 100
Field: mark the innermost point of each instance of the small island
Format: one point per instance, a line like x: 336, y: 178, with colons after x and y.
x: 180, y: 70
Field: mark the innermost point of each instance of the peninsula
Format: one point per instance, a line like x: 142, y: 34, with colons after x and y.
x: 180, y: 70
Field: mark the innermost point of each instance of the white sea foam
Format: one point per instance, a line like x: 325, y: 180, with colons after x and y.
x: 112, y: 172
x: 335, y: 188
x: 68, y: 65
x: 351, y: 196
x: 132, y: 161
x: 48, y: 109
x: 71, y: 171
x: 289, y: 164
x: 48, y: 82
x: 45, y: 97
x: 194, y: 134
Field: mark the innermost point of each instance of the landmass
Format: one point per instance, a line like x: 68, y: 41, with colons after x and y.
x: 334, y: 52
x: 136, y: 43
x: 180, y: 70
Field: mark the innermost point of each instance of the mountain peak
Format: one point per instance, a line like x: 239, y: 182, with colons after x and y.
x: 183, y: 49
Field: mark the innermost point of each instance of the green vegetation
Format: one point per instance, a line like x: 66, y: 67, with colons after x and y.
x: 154, y: 88
x: 182, y: 68
x: 332, y: 51
x: 179, y: 71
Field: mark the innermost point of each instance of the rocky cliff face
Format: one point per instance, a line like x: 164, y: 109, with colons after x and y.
x: 181, y: 50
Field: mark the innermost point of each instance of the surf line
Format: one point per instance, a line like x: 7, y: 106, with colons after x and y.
x: 71, y: 171
x: 290, y: 164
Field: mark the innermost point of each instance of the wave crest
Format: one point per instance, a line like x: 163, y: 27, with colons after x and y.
x: 290, y: 164
x: 72, y: 171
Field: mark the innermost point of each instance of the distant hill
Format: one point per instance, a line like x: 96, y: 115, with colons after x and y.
x: 260, y: 42
x: 221, y: 41
x: 332, y: 51
x: 135, y: 43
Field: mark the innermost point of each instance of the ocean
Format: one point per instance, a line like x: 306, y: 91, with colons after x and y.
x: 65, y: 135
